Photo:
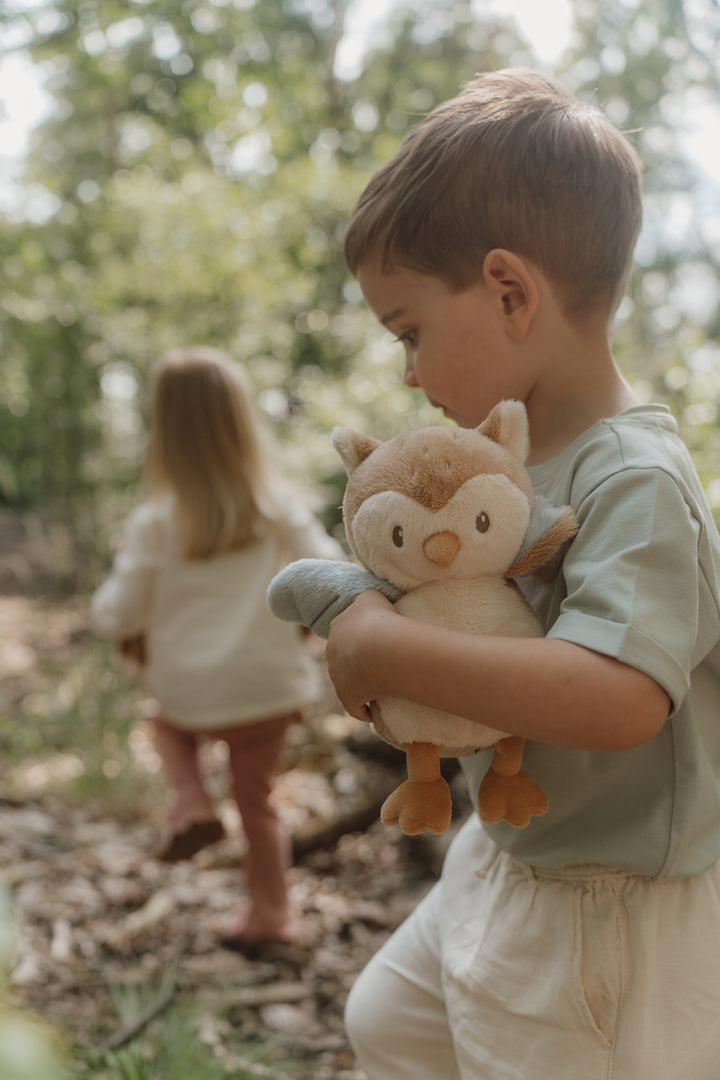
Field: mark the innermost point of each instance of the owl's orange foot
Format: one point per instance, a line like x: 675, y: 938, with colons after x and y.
x: 419, y: 807
x: 515, y: 799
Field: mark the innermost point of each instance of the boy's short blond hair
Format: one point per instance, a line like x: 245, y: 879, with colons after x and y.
x: 511, y: 162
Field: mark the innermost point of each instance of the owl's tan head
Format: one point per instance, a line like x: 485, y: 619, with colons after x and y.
x: 438, y: 502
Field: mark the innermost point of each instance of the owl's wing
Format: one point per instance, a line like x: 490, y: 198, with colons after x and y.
x: 313, y: 591
x: 549, y: 535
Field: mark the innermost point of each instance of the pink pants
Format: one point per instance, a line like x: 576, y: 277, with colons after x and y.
x: 254, y: 753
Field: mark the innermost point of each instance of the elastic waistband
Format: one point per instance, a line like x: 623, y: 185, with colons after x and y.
x: 581, y: 871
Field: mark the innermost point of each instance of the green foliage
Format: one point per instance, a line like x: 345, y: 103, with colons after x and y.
x: 200, y: 164
x: 652, y: 64
x: 196, y: 175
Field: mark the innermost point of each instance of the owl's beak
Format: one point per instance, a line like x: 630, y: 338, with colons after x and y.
x: 441, y: 548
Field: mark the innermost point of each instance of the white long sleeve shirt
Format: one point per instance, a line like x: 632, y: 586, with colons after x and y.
x: 216, y: 654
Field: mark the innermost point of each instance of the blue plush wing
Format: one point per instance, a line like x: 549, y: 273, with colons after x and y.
x: 313, y: 591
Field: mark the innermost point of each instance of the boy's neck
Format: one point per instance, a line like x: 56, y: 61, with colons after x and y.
x: 579, y: 384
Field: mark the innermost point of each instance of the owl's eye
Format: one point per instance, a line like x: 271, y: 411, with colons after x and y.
x: 397, y: 535
x: 482, y: 522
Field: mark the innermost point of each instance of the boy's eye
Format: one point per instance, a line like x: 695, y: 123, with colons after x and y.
x: 482, y: 522
x: 408, y: 338
x: 397, y: 536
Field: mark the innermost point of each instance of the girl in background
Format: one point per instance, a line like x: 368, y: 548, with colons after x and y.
x: 189, y: 583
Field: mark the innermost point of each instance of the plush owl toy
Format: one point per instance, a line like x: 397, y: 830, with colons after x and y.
x: 444, y: 520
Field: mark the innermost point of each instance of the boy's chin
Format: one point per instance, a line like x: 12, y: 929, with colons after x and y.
x: 461, y: 421
x: 447, y: 413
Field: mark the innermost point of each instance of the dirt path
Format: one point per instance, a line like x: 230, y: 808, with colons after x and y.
x: 101, y: 922
x: 98, y: 916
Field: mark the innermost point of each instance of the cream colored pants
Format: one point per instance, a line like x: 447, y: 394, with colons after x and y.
x: 508, y: 973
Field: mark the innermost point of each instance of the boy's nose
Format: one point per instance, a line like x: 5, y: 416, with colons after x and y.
x: 441, y: 548
x: 409, y: 377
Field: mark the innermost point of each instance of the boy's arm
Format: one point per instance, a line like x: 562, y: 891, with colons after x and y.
x: 544, y: 689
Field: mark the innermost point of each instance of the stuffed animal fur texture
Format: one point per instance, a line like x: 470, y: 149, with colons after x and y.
x: 444, y: 519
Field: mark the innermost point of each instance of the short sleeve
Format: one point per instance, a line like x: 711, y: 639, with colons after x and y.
x: 632, y: 577
x: 121, y: 605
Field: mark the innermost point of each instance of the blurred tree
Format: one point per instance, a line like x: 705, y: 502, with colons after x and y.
x: 653, y: 66
x: 196, y: 175
x: 198, y: 169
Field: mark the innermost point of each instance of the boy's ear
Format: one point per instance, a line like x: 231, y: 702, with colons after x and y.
x: 512, y: 284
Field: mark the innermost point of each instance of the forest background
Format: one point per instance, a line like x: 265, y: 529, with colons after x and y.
x: 190, y: 184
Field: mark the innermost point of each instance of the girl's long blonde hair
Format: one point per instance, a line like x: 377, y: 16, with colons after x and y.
x: 207, y: 450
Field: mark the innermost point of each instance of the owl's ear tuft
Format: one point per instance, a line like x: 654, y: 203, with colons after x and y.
x: 507, y: 425
x: 352, y: 447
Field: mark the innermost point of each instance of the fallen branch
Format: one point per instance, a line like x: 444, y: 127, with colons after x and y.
x: 253, y: 1068
x: 154, y: 911
x: 323, y: 834
x: 133, y: 1029
x: 276, y: 993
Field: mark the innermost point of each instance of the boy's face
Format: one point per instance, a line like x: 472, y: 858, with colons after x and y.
x: 456, y: 348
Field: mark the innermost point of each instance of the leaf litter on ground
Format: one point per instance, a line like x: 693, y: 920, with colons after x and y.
x: 99, y: 920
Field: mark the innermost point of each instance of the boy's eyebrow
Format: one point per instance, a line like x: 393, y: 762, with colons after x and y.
x: 391, y: 315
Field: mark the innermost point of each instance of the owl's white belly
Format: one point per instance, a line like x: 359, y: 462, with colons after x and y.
x: 477, y: 605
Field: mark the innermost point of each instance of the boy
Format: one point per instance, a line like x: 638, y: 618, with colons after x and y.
x: 496, y: 246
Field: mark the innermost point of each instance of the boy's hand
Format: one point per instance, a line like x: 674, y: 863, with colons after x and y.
x: 353, y: 638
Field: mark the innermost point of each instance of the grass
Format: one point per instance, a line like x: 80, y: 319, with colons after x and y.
x: 178, y: 1053
x: 172, y: 1041
x: 76, y: 730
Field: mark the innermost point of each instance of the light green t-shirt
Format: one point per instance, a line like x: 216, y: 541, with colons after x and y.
x: 641, y: 583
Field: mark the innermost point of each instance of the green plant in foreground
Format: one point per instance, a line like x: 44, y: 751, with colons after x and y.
x: 29, y: 1048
